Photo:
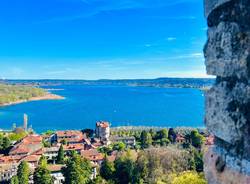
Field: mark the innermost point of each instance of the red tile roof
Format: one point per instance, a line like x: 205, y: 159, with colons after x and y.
x: 32, y: 139
x: 32, y: 158
x: 55, y: 168
x: 27, y: 145
x: 70, y: 136
x: 10, y: 159
x: 92, y: 155
x: 73, y: 147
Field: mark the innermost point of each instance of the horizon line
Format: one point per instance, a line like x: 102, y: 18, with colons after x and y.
x: 210, y: 77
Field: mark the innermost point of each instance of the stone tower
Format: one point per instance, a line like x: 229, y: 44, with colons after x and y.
x: 25, y: 122
x: 227, y: 56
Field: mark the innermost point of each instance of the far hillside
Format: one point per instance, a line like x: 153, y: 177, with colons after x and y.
x: 15, y: 93
x: 200, y: 83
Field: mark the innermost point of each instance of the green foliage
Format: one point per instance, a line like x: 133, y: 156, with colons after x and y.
x: 196, y: 139
x: 13, y: 93
x: 14, y: 180
x: 49, y: 132
x: 23, y: 172
x: 124, y: 170
x: 142, y: 168
x: 60, y: 156
x: 164, y: 141
x: 162, y: 134
x: 105, y: 149
x: 42, y: 174
x: 46, y: 144
x: 6, y: 143
x: 17, y: 136
x: 77, y: 171
x: 198, y: 159
x: 189, y: 177
x: 107, y: 169
x: 146, y: 139
x: 171, y: 135
x: 120, y: 146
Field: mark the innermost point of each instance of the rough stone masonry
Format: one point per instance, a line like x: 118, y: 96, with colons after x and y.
x: 227, y: 56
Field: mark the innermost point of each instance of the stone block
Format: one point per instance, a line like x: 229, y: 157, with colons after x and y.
x: 227, y: 112
x: 227, y: 52
x: 210, y: 5
x: 233, y: 172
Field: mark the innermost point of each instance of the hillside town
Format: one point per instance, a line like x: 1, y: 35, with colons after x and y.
x: 93, y: 145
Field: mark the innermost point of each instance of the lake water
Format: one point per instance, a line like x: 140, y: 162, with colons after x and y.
x: 120, y: 105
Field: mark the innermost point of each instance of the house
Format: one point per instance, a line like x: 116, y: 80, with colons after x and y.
x: 102, y: 131
x: 70, y: 136
x: 32, y: 160
x: 27, y: 145
x: 93, y: 155
x: 129, y: 141
x: 56, y: 173
x: 7, y: 171
x: 180, y: 139
x: 209, y: 140
x: 73, y: 147
x: 51, y: 153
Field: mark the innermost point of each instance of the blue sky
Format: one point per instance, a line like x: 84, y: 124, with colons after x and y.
x: 96, y: 39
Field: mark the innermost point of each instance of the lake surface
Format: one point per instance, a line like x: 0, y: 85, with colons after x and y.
x: 120, y: 105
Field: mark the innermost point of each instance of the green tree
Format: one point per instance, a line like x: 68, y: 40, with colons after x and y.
x: 146, y: 139
x: 153, y: 133
x: 162, y: 134
x: 14, y: 180
x: 23, y: 172
x: 198, y: 159
x: 42, y: 174
x: 120, y: 146
x: 107, y: 169
x: 196, y: 138
x: 124, y: 170
x: 60, y: 156
x: 189, y: 177
x: 77, y: 171
x: 141, y: 168
x: 1, y: 141
x: 171, y: 135
x: 164, y: 141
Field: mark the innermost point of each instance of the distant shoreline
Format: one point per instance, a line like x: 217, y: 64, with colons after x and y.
x: 48, y: 96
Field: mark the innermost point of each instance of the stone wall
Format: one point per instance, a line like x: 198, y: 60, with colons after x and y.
x: 227, y: 56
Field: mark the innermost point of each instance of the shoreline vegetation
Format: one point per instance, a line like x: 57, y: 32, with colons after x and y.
x: 197, y: 83
x: 17, y: 94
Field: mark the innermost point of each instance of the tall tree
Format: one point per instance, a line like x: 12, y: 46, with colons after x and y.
x: 124, y: 170
x: 196, y: 139
x: 6, y: 143
x: 141, y: 168
x: 14, y: 180
x: 146, y: 139
x: 77, y: 171
x: 60, y: 156
x: 162, y: 134
x: 23, y: 173
x: 107, y: 169
x: 171, y: 135
x: 42, y: 174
